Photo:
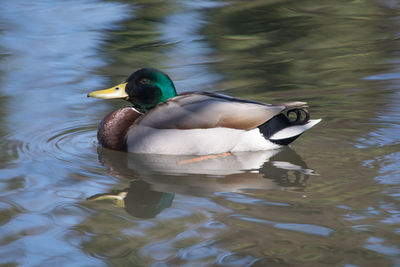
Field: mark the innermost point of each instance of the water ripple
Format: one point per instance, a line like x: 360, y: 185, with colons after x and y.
x: 243, y: 199
x: 66, y: 143
x: 200, y: 251
x: 298, y: 227
x: 236, y: 259
x: 69, y: 214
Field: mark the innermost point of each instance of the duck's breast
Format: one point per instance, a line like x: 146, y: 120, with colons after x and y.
x: 114, y: 127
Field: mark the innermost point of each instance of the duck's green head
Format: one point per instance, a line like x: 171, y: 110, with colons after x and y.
x: 144, y: 88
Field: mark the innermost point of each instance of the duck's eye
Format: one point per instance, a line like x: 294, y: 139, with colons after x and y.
x: 144, y: 81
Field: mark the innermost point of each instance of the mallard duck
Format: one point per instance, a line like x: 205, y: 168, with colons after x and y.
x: 197, y: 123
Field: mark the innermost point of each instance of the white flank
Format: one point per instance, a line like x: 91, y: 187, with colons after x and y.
x: 142, y: 139
x: 293, y: 130
x: 252, y: 141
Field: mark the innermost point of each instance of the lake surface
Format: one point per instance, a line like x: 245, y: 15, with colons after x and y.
x: 331, y: 199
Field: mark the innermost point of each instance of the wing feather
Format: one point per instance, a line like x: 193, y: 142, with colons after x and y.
x: 209, y: 110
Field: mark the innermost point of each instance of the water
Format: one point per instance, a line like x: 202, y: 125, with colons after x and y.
x: 330, y: 199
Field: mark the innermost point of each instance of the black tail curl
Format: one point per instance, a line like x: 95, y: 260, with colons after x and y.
x: 291, y: 117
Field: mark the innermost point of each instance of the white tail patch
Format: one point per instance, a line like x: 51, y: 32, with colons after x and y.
x: 293, y: 130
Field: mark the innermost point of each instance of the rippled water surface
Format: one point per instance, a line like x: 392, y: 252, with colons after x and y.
x: 331, y: 199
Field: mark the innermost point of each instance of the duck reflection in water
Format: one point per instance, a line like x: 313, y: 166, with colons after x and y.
x: 139, y: 200
x: 156, y: 178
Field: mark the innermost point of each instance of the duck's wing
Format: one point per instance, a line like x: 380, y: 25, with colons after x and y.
x: 209, y: 110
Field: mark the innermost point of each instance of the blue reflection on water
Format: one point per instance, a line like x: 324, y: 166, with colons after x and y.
x: 50, y: 49
x: 298, y: 227
x: 190, y: 53
x: 375, y: 244
x: 239, y: 198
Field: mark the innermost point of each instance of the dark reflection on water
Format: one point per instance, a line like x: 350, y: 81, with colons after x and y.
x: 331, y: 199
x: 139, y: 200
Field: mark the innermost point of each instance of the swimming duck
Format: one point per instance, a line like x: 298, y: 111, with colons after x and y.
x: 196, y: 123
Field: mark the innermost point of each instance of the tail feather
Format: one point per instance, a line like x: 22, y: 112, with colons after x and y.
x: 289, y: 134
x: 282, y: 130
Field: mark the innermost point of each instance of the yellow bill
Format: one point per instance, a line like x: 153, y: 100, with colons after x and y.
x: 117, y: 91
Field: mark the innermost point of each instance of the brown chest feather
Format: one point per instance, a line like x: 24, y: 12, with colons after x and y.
x: 113, y: 128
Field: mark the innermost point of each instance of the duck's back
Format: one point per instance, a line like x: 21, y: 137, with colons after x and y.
x: 204, y: 110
